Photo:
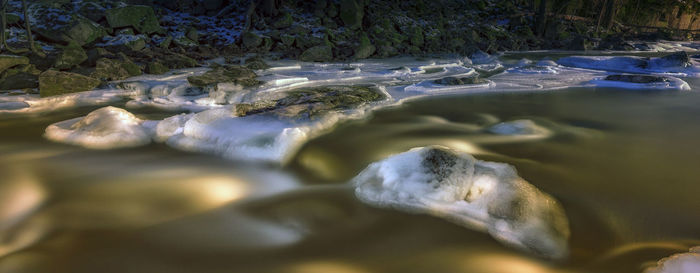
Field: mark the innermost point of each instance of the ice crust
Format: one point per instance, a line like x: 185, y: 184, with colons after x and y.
x: 679, y: 263
x: 105, y: 128
x: 629, y: 64
x: 671, y: 83
x: 480, y: 195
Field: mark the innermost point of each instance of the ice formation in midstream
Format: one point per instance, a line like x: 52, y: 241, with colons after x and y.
x: 629, y: 64
x: 522, y: 127
x: 105, y: 128
x: 480, y: 195
x: 679, y: 263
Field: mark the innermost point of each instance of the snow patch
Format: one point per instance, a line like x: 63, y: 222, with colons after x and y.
x: 105, y: 128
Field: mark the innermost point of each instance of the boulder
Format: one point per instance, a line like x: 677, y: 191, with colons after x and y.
x: 284, y: 21
x: 678, y: 59
x: 92, y: 11
x: 53, y: 82
x: 321, y: 53
x: 124, y: 42
x: 115, y: 69
x: 225, y: 74
x: 251, y: 40
x: 8, y: 61
x: 460, y: 80
x: 71, y: 56
x: 20, y: 77
x: 365, y: 49
x: 61, y: 26
x: 156, y: 68
x: 313, y: 102
x: 141, y: 18
x: 351, y: 12
x: 177, y: 61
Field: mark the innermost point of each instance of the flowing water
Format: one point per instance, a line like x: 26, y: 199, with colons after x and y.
x: 624, y: 165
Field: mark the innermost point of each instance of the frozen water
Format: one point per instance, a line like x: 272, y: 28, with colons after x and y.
x: 105, y: 128
x: 659, y: 82
x: 630, y: 64
x: 680, y: 263
x: 480, y: 195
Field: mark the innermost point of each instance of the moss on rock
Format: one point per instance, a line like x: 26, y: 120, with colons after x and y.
x: 53, y: 82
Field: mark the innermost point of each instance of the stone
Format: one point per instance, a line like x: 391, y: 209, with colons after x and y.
x: 192, y: 34
x: 156, y: 68
x: 53, y: 82
x: 12, y: 18
x: 124, y: 43
x: 417, y: 37
x: 71, y: 56
x: 184, y: 42
x: 8, y: 61
x: 177, y: 61
x: 636, y: 78
x: 141, y: 18
x: 113, y: 69
x: 225, y: 74
x: 256, y: 63
x: 365, y: 49
x: 321, y: 53
x: 460, y: 80
x: 313, y: 102
x: 92, y: 11
x: 20, y: 77
x: 61, y: 26
x: 251, y: 40
x: 287, y: 39
x: 284, y: 21
x: 351, y: 13
x: 680, y: 59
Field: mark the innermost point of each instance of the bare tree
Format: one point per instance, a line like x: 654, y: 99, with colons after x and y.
x: 30, y: 38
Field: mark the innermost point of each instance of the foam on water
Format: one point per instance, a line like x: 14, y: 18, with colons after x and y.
x: 680, y: 263
x: 480, y: 195
x: 104, y: 128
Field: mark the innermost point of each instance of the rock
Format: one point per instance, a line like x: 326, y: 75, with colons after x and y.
x: 287, y: 39
x: 114, y: 69
x: 92, y: 11
x: 156, y: 68
x: 365, y: 49
x: 141, y: 18
x: 71, y: 56
x: 460, y: 80
x: 225, y: 74
x: 251, y: 40
x: 53, y: 82
x: 678, y: 59
x: 184, y: 42
x: 97, y: 53
x: 256, y: 63
x: 312, y: 102
x: 284, y: 21
x: 417, y: 37
x: 321, y: 53
x: 213, y: 4
x: 61, y: 26
x: 8, y: 61
x: 192, y: 34
x: 124, y: 43
x: 20, y: 77
x: 162, y: 42
x: 12, y: 18
x: 636, y: 78
x: 177, y: 61
x: 351, y: 12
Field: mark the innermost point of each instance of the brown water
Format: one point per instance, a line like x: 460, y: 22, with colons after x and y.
x: 624, y: 164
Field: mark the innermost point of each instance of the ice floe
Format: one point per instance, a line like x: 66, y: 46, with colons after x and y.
x: 677, y: 64
x: 480, y: 195
x: 680, y: 263
x: 641, y: 82
x: 105, y: 128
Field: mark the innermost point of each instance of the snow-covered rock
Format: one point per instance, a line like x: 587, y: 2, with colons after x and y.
x: 104, y: 128
x: 679, y: 263
x: 479, y: 195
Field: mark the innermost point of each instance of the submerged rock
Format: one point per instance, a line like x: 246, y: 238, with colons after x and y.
x: 637, y: 78
x: 53, y: 82
x: 460, y: 80
x: 480, y: 195
x: 104, y: 128
x: 312, y: 102
x: 521, y: 127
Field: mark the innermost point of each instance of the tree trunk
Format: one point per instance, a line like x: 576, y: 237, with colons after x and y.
x: 610, y: 13
x: 600, y: 16
x: 541, y: 21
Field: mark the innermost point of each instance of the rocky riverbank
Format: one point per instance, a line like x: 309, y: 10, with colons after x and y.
x: 85, y: 44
